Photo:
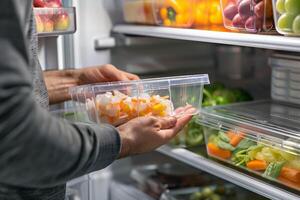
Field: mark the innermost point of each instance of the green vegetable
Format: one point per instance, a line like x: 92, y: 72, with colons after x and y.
x: 273, y: 170
x: 244, y: 144
x: 196, y: 196
x: 224, y: 145
x: 223, y: 137
x: 241, y: 95
x: 224, y: 96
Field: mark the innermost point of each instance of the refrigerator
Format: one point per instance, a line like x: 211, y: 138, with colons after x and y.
x: 261, y: 64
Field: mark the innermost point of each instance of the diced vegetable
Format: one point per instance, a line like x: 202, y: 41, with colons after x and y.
x: 223, y: 137
x: 216, y: 151
x: 224, y: 145
x: 235, y: 140
x: 273, y: 169
x: 257, y: 165
x: 290, y: 174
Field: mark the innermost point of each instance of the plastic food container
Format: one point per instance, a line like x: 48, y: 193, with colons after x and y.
x: 71, y: 115
x: 287, y: 17
x: 208, y: 15
x: 248, y: 15
x: 261, y: 137
x: 55, y: 21
x: 285, y: 78
x: 118, y: 102
x: 138, y: 11
x: 174, y: 13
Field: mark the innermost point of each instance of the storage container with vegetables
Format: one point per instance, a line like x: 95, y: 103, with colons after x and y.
x: 214, y: 94
x: 261, y: 137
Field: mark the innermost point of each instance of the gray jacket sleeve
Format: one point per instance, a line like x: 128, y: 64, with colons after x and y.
x: 36, y: 149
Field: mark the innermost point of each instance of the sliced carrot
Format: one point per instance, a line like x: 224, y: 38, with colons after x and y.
x: 230, y: 134
x: 290, y: 174
x: 289, y: 183
x: 235, y: 140
x: 257, y: 165
x: 216, y: 151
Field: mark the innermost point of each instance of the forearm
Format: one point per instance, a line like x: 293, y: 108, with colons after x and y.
x: 58, y: 84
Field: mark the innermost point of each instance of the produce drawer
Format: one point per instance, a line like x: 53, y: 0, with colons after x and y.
x: 55, y: 21
x: 116, y: 103
x: 261, y: 137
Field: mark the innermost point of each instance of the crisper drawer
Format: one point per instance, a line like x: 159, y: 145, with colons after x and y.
x: 117, y: 102
x: 261, y: 137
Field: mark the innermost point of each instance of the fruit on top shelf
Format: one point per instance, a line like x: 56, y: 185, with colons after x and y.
x: 47, y: 3
x: 52, y: 19
x: 248, y: 15
x: 265, y: 159
x: 287, y: 16
x: 117, y: 108
x: 214, y: 94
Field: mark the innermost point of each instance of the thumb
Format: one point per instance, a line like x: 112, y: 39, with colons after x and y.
x: 167, y: 122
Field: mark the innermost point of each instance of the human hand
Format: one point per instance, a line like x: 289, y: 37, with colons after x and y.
x: 104, y: 73
x: 145, y: 134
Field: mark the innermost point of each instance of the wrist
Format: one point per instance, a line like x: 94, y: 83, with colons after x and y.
x: 125, y: 144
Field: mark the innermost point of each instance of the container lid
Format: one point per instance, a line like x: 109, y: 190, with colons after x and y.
x: 152, y: 83
x: 267, y: 122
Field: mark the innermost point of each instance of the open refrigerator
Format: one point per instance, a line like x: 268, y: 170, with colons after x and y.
x: 265, y: 65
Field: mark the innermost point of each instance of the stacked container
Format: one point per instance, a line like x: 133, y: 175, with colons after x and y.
x: 261, y: 137
x: 287, y: 16
x: 116, y: 103
x: 248, y: 15
x: 55, y: 21
x: 285, y: 78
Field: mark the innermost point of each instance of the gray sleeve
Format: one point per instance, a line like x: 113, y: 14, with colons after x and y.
x: 36, y: 149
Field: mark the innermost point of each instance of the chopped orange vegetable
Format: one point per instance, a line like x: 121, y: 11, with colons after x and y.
x: 216, y: 151
x: 289, y: 183
x: 230, y: 134
x: 257, y: 165
x: 235, y: 140
x: 290, y: 174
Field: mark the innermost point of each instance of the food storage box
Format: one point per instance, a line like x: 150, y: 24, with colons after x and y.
x: 118, y: 102
x: 261, y: 137
x: 174, y: 13
x: 72, y: 115
x: 285, y: 78
x: 138, y: 11
x: 55, y: 21
x: 208, y: 15
x: 287, y: 16
x: 247, y: 15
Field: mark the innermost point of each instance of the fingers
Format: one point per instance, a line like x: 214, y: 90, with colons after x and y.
x: 167, y: 122
x: 131, y: 76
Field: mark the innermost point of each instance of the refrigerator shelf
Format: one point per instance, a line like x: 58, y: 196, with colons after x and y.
x: 274, y: 42
x: 248, y: 182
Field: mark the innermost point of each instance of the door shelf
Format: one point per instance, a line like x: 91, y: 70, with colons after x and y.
x: 274, y: 42
x: 251, y: 183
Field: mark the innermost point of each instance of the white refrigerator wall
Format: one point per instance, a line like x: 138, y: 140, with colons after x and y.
x: 93, y: 22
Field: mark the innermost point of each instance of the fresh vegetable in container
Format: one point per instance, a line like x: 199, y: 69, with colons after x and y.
x: 270, y: 161
x: 174, y: 13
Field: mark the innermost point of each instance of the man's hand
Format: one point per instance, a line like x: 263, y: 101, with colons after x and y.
x: 59, y: 82
x: 145, y: 134
x: 105, y: 73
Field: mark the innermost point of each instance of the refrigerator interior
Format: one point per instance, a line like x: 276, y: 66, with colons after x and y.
x: 95, y: 44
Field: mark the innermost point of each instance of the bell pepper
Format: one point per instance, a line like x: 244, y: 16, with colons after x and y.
x: 201, y: 13
x: 176, y: 13
x: 215, y: 13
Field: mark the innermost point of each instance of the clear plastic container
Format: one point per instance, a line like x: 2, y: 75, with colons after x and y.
x: 174, y: 13
x: 138, y: 11
x: 55, y: 21
x: 78, y: 189
x: 118, y: 102
x: 261, y: 137
x: 248, y: 15
x: 287, y: 16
